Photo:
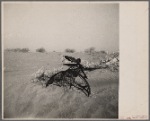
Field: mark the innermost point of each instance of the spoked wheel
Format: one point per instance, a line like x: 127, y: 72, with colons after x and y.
x: 82, y: 84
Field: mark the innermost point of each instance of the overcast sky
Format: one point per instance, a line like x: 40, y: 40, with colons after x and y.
x: 60, y: 25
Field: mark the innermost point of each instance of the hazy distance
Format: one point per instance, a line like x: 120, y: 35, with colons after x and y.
x: 60, y: 25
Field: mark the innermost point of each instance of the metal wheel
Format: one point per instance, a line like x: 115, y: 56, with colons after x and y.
x: 82, y: 84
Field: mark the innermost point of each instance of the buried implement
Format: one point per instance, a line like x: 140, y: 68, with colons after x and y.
x: 73, y: 76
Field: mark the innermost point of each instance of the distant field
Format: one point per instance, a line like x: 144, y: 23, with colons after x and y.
x: 23, y: 99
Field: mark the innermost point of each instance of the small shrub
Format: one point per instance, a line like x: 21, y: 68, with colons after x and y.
x: 114, y: 55
x: 90, y: 50
x: 103, y: 52
x: 18, y: 50
x: 42, y: 50
x: 69, y: 50
x: 25, y: 50
x: 9, y: 50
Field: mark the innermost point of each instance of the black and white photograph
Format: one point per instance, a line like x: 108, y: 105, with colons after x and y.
x: 60, y: 60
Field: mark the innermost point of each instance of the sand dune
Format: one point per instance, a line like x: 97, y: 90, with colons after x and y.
x: 24, y: 99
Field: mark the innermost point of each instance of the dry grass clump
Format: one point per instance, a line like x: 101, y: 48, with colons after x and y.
x: 69, y: 50
x: 42, y: 50
x: 24, y: 50
x: 90, y: 50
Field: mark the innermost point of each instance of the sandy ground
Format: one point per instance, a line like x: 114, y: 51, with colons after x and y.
x: 24, y: 99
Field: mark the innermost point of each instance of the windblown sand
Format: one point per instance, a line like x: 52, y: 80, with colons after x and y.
x: 24, y: 99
